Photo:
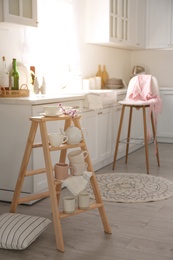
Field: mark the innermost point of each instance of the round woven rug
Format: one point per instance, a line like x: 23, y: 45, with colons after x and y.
x: 132, y: 187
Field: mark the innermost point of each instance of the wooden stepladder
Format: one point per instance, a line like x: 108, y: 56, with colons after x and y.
x: 54, y: 186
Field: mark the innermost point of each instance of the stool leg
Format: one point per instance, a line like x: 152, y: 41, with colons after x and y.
x: 128, y: 134
x: 145, y: 139
x: 155, y: 139
x: 118, y: 136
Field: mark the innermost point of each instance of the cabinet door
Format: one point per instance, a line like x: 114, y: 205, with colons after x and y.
x: 104, y: 134
x: 90, y: 123
x: 99, y: 139
x: 158, y: 23
x: 119, y: 20
x: 20, y: 12
x: 165, y: 121
x: 137, y: 21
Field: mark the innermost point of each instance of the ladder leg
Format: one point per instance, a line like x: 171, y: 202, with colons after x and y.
x: 155, y: 139
x: 63, y: 152
x: 145, y: 139
x: 118, y: 136
x: 52, y: 189
x: 128, y: 133
x: 95, y: 188
x: 98, y: 198
x: 24, y: 165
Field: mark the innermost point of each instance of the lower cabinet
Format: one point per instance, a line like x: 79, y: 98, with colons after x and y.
x: 165, y: 121
x: 15, y: 126
x: 99, y: 140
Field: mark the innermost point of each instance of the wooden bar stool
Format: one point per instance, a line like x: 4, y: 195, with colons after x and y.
x: 142, y: 93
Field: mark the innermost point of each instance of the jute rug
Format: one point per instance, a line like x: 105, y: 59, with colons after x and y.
x: 128, y: 187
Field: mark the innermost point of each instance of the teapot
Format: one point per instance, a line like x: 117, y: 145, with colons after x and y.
x: 74, y: 134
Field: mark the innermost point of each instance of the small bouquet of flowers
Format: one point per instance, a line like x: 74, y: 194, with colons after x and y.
x: 70, y: 111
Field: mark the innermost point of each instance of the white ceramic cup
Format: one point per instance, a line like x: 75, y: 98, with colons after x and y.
x: 78, y: 168
x: 69, y: 204
x: 98, y: 82
x: 62, y: 171
x: 51, y: 110
x: 56, y: 139
x: 92, y: 83
x: 77, y: 156
x: 83, y: 200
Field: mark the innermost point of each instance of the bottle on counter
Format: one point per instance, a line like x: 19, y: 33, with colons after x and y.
x: 4, y: 75
x: 36, y: 86
x: 105, y: 76
x: 14, y: 76
x: 43, y: 86
x: 100, y: 74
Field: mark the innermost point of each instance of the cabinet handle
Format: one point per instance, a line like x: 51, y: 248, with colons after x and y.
x: 100, y: 113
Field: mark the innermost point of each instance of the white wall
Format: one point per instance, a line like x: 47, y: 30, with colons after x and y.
x: 158, y: 63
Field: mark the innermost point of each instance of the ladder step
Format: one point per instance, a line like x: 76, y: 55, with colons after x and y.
x: 37, y: 171
x: 33, y: 197
x: 78, y: 211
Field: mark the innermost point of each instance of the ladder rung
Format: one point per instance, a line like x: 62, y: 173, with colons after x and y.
x: 37, y: 196
x: 61, y: 147
x: 78, y: 211
x: 32, y: 197
x: 66, y: 146
x: 37, y: 171
x: 37, y: 145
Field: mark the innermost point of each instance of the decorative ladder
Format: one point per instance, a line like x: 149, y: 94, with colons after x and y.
x: 54, y: 186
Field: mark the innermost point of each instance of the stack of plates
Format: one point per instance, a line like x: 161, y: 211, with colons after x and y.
x: 113, y: 83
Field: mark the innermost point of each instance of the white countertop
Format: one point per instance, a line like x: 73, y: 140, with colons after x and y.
x: 59, y: 97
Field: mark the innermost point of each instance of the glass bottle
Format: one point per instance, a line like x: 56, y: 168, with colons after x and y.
x: 4, y: 75
x: 36, y: 86
x: 105, y: 76
x: 14, y: 76
x: 100, y: 74
x: 43, y: 86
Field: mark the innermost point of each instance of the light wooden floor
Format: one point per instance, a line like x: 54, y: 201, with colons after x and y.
x: 140, y: 231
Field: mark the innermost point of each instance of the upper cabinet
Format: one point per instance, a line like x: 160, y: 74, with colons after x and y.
x: 19, y: 12
x: 115, y: 22
x: 159, y: 24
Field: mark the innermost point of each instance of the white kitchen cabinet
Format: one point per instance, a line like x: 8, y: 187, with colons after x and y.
x: 165, y: 120
x: 98, y: 123
x: 159, y: 23
x: 137, y: 23
x: 14, y: 129
x: 19, y: 12
x: 115, y: 22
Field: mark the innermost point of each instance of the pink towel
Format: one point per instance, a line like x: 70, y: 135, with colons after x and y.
x: 142, y: 88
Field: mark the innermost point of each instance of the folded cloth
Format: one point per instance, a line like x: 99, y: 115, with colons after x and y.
x: 76, y: 184
x: 93, y: 101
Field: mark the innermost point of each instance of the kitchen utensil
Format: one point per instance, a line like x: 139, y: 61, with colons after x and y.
x: 56, y: 139
x: 137, y: 70
x: 77, y: 156
x: 62, y: 171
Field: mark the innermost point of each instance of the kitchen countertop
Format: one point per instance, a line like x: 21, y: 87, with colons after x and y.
x: 59, y: 97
